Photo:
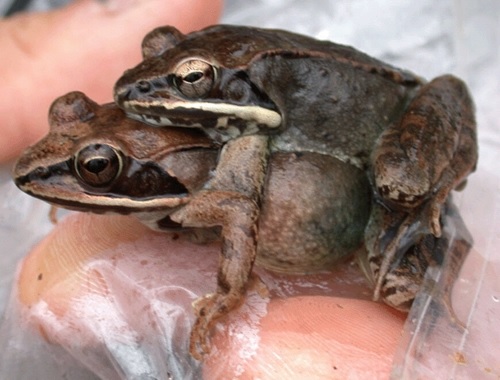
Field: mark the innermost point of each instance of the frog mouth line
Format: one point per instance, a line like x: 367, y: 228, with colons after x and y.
x: 193, y: 114
x: 106, y: 204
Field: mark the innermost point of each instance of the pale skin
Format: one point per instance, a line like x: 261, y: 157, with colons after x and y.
x: 316, y: 334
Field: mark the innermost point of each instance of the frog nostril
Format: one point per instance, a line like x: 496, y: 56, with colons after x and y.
x: 127, y: 95
x: 41, y: 172
x: 143, y: 86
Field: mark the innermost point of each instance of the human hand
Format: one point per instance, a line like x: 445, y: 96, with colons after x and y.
x: 103, y: 262
x: 85, y: 46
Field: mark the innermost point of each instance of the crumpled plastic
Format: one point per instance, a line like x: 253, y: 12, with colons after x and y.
x: 124, y: 311
x: 429, y: 38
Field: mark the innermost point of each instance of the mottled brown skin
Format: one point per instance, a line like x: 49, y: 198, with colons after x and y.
x: 439, y: 123
x: 156, y: 174
x: 415, y: 141
x: 312, y: 211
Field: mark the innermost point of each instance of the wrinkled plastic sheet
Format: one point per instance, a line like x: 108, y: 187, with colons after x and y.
x: 429, y: 38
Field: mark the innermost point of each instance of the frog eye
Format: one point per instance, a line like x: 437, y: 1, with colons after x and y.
x: 98, y: 164
x: 195, y: 78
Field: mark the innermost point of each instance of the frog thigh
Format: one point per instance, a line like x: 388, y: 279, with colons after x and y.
x: 430, y: 151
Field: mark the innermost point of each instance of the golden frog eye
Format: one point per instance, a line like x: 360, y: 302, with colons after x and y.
x: 98, y: 164
x: 195, y: 78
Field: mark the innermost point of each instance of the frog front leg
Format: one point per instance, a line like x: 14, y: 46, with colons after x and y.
x: 429, y: 152
x: 230, y: 200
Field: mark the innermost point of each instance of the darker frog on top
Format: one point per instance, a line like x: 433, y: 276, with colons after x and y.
x: 264, y: 90
x: 417, y: 139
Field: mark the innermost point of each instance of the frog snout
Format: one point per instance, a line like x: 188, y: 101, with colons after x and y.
x: 137, y: 90
x: 134, y: 91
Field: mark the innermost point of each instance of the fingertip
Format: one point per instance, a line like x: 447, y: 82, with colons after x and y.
x: 85, y: 46
x: 323, y: 337
x: 54, y: 267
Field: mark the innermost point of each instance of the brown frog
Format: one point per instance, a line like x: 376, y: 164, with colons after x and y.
x: 314, y: 208
x: 262, y: 91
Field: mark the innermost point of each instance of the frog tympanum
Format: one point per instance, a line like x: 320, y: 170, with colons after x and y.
x: 271, y: 90
x: 296, y: 150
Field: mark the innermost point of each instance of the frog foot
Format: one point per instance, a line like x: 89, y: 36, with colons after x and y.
x: 199, y: 342
x: 208, y: 309
x: 390, y: 254
x: 404, y: 230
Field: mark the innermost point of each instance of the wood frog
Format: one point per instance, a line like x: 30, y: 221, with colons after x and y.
x: 314, y: 208
x: 264, y: 91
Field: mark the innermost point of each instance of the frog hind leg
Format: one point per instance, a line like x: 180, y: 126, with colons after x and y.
x: 399, y: 253
x: 429, y: 152
x: 389, y: 235
x: 399, y: 286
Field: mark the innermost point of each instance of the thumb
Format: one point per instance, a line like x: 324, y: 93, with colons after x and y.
x: 85, y: 46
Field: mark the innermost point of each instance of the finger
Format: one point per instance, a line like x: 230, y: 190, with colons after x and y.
x: 321, y: 337
x: 69, y: 254
x: 85, y: 46
x: 324, y: 337
x: 114, y: 295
